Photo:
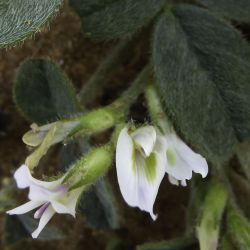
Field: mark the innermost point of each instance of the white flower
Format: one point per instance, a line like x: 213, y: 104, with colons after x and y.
x: 140, y: 164
x: 49, y: 197
x: 182, y: 160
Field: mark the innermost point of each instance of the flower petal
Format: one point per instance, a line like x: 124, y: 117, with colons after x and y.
x: 24, y: 179
x: 45, y: 218
x: 125, y: 167
x: 38, y: 192
x: 25, y: 208
x: 147, y: 188
x: 184, y: 183
x: 173, y: 181
x: 68, y: 204
x: 145, y: 137
x: 176, y: 166
x: 195, y: 161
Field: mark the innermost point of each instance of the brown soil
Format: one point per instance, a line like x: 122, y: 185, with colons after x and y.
x: 64, y: 42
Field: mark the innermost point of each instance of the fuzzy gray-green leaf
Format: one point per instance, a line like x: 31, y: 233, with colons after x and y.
x: 238, y: 10
x: 20, y: 19
x: 43, y: 92
x: 114, y: 19
x: 203, y: 72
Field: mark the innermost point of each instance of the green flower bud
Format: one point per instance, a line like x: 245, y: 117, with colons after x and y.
x: 91, y: 167
x: 94, y: 122
x: 213, y: 208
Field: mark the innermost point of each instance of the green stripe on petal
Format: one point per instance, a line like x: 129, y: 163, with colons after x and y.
x: 150, y: 167
x: 171, y: 158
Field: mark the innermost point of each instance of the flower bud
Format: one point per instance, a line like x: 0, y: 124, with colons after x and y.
x: 91, y: 167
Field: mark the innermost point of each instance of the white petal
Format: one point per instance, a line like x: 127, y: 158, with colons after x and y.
x: 60, y: 208
x: 38, y: 193
x: 195, y: 161
x: 25, y: 207
x: 45, y: 218
x: 145, y: 137
x: 56, y: 191
x: 184, y: 183
x: 173, y: 181
x: 125, y: 166
x: 67, y: 205
x: 147, y: 189
x: 176, y: 166
x: 22, y: 177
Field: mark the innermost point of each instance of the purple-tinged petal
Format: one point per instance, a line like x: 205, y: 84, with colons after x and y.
x: 45, y: 218
x: 41, y: 210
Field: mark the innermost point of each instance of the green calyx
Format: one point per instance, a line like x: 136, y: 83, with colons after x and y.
x: 95, y: 121
x: 89, y: 168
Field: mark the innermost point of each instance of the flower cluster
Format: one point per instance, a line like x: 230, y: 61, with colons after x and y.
x: 144, y: 155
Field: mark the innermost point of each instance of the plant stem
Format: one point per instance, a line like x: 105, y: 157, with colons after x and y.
x: 105, y: 118
x: 103, y: 73
x: 156, y: 111
x: 131, y: 94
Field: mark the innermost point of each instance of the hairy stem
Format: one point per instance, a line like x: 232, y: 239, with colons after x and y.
x: 105, y: 70
x: 131, y: 94
x: 155, y: 109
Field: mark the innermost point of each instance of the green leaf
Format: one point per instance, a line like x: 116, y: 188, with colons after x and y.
x: 203, y: 72
x: 112, y: 19
x: 19, y: 227
x: 238, y: 10
x: 43, y: 92
x: 20, y: 19
x: 176, y: 244
x: 242, y: 151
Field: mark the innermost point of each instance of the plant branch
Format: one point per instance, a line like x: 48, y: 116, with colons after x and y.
x: 103, y: 73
